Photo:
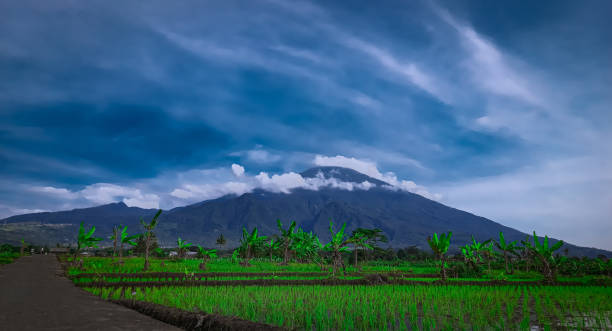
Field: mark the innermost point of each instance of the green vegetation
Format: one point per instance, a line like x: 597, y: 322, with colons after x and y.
x: 337, y: 246
x: 439, y: 245
x: 148, y: 236
x: 206, y: 255
x: 85, y: 239
x: 391, y: 307
x: 8, y: 254
x: 306, y: 282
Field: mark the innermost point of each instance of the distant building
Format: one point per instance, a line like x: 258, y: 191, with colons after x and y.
x: 59, y: 250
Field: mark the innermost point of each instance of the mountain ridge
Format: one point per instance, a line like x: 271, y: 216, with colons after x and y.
x: 406, y: 218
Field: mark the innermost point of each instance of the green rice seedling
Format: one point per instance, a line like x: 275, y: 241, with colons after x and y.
x: 386, y: 307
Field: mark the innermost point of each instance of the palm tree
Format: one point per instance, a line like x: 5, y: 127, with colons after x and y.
x: 359, y: 240
x: 249, y: 242
x: 206, y: 255
x: 337, y: 246
x: 22, y: 249
x: 125, y: 239
x: 374, y: 236
x: 182, y: 247
x: 287, y: 237
x: 148, y: 235
x: 439, y: 245
x: 115, y: 239
x: 221, y: 240
x: 526, y: 252
x: 85, y: 240
x: 506, y: 248
x: 488, y: 252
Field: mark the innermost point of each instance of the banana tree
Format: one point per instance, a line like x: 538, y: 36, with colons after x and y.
x: 507, y: 248
x: 544, y: 253
x: 85, y: 239
x: 272, y: 246
x: 478, y: 248
x: 306, y: 246
x: 206, y: 255
x: 439, y: 245
x: 249, y: 242
x: 287, y: 237
x: 183, y: 246
x: 337, y: 246
x: 470, y: 256
x: 148, y: 236
x: 126, y: 239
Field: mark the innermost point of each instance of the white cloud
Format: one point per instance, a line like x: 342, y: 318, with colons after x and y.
x: 554, y: 198
x: 238, y: 170
x: 280, y: 183
x: 490, y: 68
x: 7, y: 211
x: 262, y: 156
x: 364, y: 166
x: 102, y: 193
x: 57, y: 192
x: 409, y: 70
x: 195, y: 192
x: 369, y: 168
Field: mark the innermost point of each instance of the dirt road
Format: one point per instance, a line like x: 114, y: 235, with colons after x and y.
x: 35, y: 296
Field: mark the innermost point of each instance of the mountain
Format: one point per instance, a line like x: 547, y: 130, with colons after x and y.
x: 406, y: 218
x: 61, y: 227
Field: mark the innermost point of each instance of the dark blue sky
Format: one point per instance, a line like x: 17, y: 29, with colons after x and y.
x: 499, y: 108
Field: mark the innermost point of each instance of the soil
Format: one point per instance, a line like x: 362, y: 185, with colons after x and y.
x: 203, y: 275
x: 375, y: 280
x: 34, y: 295
x: 195, y: 320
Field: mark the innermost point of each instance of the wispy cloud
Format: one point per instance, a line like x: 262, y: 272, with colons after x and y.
x: 555, y: 197
x: 490, y: 68
x: 100, y: 193
x: 412, y: 72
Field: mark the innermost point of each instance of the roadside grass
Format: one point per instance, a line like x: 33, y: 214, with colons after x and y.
x: 8, y: 257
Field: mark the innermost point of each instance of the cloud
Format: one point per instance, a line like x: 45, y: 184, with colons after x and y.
x: 364, y: 166
x: 411, y: 71
x: 262, y: 156
x: 238, y: 170
x: 554, y: 198
x: 102, y: 193
x: 200, y: 192
x: 280, y: 183
x: 61, y: 193
x: 369, y: 168
x: 489, y: 66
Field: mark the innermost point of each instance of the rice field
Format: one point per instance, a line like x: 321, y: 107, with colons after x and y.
x: 307, y: 297
x: 135, y: 265
x: 392, y: 307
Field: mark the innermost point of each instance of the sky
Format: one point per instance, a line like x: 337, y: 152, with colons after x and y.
x: 499, y: 108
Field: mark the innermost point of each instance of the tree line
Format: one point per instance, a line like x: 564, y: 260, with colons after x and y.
x: 293, y: 243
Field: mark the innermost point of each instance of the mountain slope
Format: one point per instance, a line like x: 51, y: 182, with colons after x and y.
x: 406, y: 218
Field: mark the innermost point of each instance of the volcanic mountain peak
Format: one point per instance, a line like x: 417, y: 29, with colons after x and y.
x: 341, y: 174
